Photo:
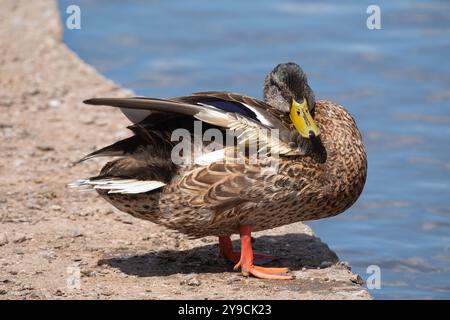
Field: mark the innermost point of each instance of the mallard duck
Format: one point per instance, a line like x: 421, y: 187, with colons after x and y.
x: 320, y: 163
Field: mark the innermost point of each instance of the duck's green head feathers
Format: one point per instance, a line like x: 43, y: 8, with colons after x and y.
x: 286, y: 88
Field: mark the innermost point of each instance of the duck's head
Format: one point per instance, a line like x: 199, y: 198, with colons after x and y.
x: 286, y: 89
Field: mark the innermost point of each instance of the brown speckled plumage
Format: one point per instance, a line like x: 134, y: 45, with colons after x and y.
x: 321, y: 177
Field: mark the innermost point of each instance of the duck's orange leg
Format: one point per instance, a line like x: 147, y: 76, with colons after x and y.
x: 247, y: 256
x: 226, y: 251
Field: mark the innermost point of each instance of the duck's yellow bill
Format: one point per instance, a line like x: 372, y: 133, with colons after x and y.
x: 302, y: 120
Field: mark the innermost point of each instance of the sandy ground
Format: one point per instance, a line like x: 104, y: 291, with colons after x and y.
x: 50, y: 234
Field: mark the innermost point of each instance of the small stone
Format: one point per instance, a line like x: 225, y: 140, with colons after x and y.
x: 304, y: 269
x: 3, y: 292
x: 3, y: 239
x: 26, y: 287
x: 33, y: 206
x: 55, y: 207
x: 33, y: 91
x: 19, y: 238
x: 45, y: 148
x: 34, y: 296
x: 194, y: 282
x: 58, y: 293
x: 191, y: 280
x: 4, y: 280
x: 87, y: 273
x: 84, y: 213
x: 54, y: 103
x: 345, y: 264
x: 49, y: 255
x: 75, y: 234
x: 356, y: 278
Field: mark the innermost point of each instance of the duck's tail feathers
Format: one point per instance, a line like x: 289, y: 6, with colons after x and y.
x: 117, y: 149
x: 117, y: 185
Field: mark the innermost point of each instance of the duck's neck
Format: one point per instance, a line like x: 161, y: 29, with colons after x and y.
x: 341, y: 155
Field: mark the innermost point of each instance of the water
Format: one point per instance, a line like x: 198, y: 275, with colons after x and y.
x: 395, y: 81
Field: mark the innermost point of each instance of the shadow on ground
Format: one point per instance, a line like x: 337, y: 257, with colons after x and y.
x: 293, y: 250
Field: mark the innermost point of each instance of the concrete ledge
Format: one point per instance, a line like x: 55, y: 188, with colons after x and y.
x: 48, y: 233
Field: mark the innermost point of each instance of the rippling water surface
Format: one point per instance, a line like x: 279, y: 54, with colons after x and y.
x: 395, y: 81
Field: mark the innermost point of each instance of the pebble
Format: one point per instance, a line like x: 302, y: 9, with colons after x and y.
x: 3, y: 239
x: 356, y: 278
x: 191, y: 280
x: 54, y: 103
x: 84, y: 213
x: 25, y: 287
x: 45, y: 148
x: 19, y: 238
x: 87, y: 273
x: 345, y: 264
x: 55, y: 207
x: 194, y: 282
x: 3, y: 292
x: 49, y: 255
x: 4, y: 280
x: 33, y: 91
x: 33, y: 206
x: 124, y: 219
x: 234, y: 278
x: 75, y: 234
x: 58, y: 293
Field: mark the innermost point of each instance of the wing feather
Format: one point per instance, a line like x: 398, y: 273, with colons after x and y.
x: 247, y: 128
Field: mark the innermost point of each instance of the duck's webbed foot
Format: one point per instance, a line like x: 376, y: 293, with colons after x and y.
x: 245, y: 259
x: 226, y: 251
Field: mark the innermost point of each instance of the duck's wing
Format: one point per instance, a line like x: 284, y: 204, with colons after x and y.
x: 227, y: 111
x: 246, y: 106
x: 223, y: 185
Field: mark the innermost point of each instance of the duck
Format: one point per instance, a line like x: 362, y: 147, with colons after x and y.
x: 221, y: 163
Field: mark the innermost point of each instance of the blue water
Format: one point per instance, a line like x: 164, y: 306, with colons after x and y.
x: 395, y: 81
